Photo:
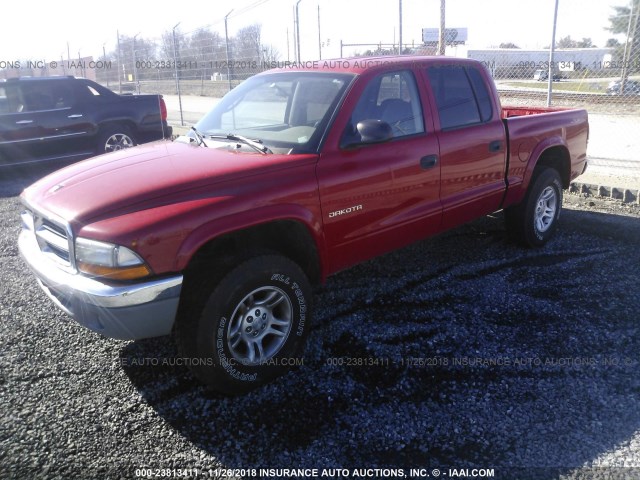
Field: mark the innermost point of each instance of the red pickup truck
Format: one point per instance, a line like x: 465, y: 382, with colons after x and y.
x: 218, y: 236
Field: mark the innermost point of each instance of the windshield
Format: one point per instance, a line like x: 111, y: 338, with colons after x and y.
x: 287, y: 112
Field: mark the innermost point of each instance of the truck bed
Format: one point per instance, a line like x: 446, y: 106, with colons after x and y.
x: 514, y: 111
x: 531, y: 130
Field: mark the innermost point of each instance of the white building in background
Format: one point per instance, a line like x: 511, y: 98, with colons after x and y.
x: 520, y: 63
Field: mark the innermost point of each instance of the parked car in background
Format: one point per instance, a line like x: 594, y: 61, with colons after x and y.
x: 542, y: 74
x: 631, y: 87
x: 68, y: 118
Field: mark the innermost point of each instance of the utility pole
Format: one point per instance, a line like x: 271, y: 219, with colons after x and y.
x: 175, y: 64
x: 631, y: 33
x: 441, y: 36
x: 320, y: 41
x: 298, y: 30
x: 293, y: 36
x: 119, y: 63
x: 400, y: 28
x: 226, y: 42
x: 104, y: 57
x: 135, y: 67
x: 551, y: 53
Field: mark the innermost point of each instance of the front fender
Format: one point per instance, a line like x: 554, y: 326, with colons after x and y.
x: 228, y: 224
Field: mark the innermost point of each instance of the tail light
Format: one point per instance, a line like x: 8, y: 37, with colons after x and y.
x: 163, y: 109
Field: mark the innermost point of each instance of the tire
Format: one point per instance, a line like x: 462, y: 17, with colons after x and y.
x: 533, y: 222
x: 113, y: 138
x: 248, y: 328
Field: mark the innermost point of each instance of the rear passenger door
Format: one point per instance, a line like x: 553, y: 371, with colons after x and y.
x: 472, y: 142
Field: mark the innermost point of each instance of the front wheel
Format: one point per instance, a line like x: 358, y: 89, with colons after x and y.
x: 251, y: 327
x: 533, y: 221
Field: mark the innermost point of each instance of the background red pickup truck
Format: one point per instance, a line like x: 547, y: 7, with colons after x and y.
x: 294, y: 175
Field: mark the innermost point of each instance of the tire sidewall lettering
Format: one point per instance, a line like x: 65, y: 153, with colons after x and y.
x: 298, y: 295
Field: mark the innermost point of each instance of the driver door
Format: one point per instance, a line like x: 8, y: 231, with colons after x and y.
x: 379, y: 197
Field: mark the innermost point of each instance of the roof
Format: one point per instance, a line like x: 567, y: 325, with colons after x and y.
x: 34, y: 79
x: 360, y: 65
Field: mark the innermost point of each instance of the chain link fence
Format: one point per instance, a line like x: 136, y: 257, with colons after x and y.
x: 207, y: 62
x: 204, y: 62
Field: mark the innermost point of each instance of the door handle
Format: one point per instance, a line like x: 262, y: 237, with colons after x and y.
x: 75, y: 115
x: 495, y: 146
x: 428, y: 162
x: 24, y: 122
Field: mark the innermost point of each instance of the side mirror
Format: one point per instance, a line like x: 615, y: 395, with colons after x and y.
x: 374, y: 131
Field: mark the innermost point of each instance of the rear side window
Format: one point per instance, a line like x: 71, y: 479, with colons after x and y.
x: 482, y: 94
x: 461, y: 96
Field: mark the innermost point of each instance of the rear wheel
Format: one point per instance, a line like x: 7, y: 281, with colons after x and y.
x: 533, y: 221
x: 114, y: 138
x: 249, y: 327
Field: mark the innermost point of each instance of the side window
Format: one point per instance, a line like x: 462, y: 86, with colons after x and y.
x: 4, y: 101
x: 482, y: 94
x: 36, y: 96
x: 39, y: 96
x: 10, y: 101
x: 62, y: 95
x: 461, y: 96
x: 393, y: 98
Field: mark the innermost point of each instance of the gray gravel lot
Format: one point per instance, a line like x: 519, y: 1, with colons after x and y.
x: 463, y: 351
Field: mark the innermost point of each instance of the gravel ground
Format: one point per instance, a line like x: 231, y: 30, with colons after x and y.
x: 460, y: 352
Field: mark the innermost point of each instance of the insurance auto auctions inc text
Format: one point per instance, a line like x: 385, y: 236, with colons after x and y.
x: 355, y: 473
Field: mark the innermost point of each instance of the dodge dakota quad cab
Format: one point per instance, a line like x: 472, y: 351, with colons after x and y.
x: 295, y: 174
x: 68, y: 118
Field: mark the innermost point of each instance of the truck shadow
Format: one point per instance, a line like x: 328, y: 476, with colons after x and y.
x: 460, y: 352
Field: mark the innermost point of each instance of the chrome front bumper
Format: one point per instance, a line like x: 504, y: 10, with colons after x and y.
x: 127, y: 312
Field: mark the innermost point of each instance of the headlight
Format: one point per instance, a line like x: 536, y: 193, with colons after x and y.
x: 108, y: 260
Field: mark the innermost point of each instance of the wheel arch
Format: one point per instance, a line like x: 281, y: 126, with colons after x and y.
x: 113, y: 123
x: 553, y: 153
x: 558, y: 158
x: 288, y: 237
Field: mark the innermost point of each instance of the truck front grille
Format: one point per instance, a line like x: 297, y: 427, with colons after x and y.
x: 53, y: 239
x: 53, y: 236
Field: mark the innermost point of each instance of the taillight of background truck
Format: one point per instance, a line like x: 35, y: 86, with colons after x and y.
x: 163, y: 109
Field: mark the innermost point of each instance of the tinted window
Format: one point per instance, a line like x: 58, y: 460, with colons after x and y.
x: 4, y: 101
x: 461, y: 96
x: 46, y: 96
x: 392, y: 98
x: 482, y: 94
x: 12, y: 101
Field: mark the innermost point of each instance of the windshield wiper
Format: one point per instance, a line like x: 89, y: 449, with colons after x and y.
x: 255, y: 144
x: 199, y: 136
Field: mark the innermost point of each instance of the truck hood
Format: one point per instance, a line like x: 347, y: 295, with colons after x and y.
x: 145, y: 177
